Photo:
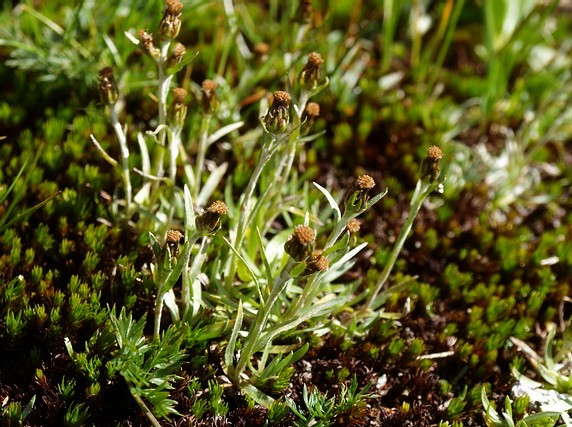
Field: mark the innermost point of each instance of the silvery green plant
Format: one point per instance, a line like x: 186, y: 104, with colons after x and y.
x: 264, y: 281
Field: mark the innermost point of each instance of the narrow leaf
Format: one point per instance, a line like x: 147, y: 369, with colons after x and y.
x: 331, y: 201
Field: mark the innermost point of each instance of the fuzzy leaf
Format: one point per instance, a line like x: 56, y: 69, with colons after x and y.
x: 331, y: 201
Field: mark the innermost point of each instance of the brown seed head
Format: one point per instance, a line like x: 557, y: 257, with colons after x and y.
x: 179, y: 95
x: 174, y: 236
x: 210, y: 220
x: 315, y: 59
x: 179, y: 106
x: 353, y: 225
x: 300, y: 244
x: 365, y: 182
x: 310, y: 74
x: 261, y: 49
x: 171, y: 21
x: 282, y: 98
x: 178, y: 52
x: 173, y: 239
x: 318, y: 262
x: 174, y: 7
x: 305, y: 235
x: 430, y: 165
x: 434, y: 153
x: 278, y: 115
x: 149, y: 47
x: 313, y: 109
x: 218, y: 207
x: 210, y: 100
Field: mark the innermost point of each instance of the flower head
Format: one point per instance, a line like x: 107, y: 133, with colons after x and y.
x: 353, y: 225
x: 316, y: 262
x: 313, y: 109
x: 149, y: 47
x: 173, y: 239
x: 311, y: 72
x: 176, y: 55
x: 210, y: 100
x: 171, y: 21
x: 358, y: 196
x: 299, y: 245
x: 278, y: 115
x: 179, y: 106
x: 210, y: 220
x: 430, y: 165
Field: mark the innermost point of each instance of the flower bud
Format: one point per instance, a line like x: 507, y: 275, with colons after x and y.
x: 149, y: 47
x: 108, y: 87
x: 210, y: 220
x: 171, y: 22
x: 358, y: 196
x: 210, y: 100
x: 278, y: 115
x: 299, y: 245
x: 179, y: 106
x: 430, y: 165
x: 311, y: 72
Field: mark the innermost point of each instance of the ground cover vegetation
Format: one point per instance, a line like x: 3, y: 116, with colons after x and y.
x: 306, y: 213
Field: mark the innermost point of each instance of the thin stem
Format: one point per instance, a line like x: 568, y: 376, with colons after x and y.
x: 201, y: 153
x: 191, y: 294
x: 245, y: 207
x: 163, y: 84
x: 124, y: 156
x: 261, y: 318
x: 163, y: 287
x: 146, y: 410
x: 422, y: 190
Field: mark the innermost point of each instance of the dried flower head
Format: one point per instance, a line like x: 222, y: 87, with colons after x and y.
x: 261, y: 49
x: 171, y: 21
x: 210, y: 100
x: 278, y: 115
x: 365, y: 182
x: 173, y: 239
x: 179, y: 106
x: 299, y: 245
x: 353, y: 225
x: 316, y: 262
x: 176, y: 55
x: 149, y: 47
x: 311, y: 72
x: 210, y: 220
x: 313, y: 109
x: 108, y: 86
x: 358, y: 196
x: 430, y: 165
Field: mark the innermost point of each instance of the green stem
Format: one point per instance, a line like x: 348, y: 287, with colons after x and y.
x: 146, y: 410
x: 201, y: 153
x: 124, y: 156
x: 261, y: 318
x: 164, y: 287
x: 268, y: 151
x: 422, y: 190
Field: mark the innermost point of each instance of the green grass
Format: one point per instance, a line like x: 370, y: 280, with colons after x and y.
x: 193, y: 255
